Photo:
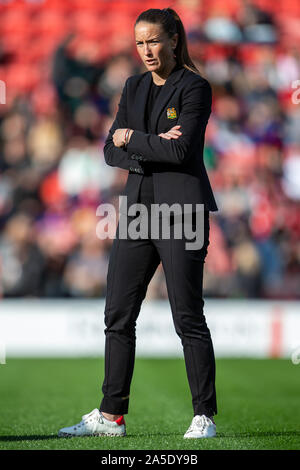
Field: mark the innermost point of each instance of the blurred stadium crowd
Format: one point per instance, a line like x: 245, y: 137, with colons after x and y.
x: 64, y: 65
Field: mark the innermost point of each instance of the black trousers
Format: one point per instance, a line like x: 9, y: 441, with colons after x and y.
x: 131, y: 267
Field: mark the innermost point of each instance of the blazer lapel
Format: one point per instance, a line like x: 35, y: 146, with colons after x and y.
x: 140, y: 100
x: 141, y: 97
x: 165, y: 95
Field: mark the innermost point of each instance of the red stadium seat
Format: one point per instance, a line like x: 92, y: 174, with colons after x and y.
x: 89, y: 24
x: 22, y: 77
x: 15, y: 21
x: 51, y: 22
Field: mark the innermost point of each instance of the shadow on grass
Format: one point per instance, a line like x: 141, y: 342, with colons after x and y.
x: 32, y: 437
x: 35, y: 437
x: 259, y: 434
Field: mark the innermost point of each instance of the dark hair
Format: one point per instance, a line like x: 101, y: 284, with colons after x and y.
x: 171, y: 24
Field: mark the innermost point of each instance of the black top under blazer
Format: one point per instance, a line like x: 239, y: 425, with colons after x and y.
x: 179, y: 174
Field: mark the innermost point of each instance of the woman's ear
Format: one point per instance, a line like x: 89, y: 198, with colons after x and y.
x: 175, y: 41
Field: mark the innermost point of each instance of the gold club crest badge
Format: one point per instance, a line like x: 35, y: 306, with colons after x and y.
x: 171, y: 113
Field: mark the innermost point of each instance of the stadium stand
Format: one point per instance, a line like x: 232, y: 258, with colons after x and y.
x: 64, y: 65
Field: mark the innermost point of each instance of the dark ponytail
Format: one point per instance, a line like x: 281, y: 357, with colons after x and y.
x: 171, y: 24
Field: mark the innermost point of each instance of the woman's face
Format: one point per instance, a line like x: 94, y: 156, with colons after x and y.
x: 154, y: 46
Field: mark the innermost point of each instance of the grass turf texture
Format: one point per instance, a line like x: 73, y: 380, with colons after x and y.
x: 258, y: 404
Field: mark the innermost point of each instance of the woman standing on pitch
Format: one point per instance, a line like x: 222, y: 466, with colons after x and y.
x: 158, y: 135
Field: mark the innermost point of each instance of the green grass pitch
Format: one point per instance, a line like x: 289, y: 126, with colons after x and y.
x: 258, y: 403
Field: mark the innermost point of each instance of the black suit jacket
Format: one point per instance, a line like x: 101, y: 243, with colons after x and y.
x: 179, y: 174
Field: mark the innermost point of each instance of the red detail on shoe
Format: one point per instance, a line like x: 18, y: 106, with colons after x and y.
x: 120, y: 420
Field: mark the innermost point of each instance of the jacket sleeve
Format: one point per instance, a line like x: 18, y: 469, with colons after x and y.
x: 117, y: 156
x: 193, y: 118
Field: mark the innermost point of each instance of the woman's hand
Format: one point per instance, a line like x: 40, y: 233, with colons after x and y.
x: 173, y: 133
x: 119, y: 137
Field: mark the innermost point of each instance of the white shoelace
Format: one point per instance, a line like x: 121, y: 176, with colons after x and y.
x: 199, y: 423
x: 92, y: 416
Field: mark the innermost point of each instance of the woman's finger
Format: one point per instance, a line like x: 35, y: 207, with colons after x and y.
x: 174, y: 133
x: 164, y: 136
x: 169, y: 135
x: 174, y: 130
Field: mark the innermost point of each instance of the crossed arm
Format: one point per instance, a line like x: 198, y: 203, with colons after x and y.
x: 119, y: 135
x: 172, y: 147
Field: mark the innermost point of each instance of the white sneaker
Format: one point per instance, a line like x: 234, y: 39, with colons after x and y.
x: 94, y: 424
x: 201, y: 426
